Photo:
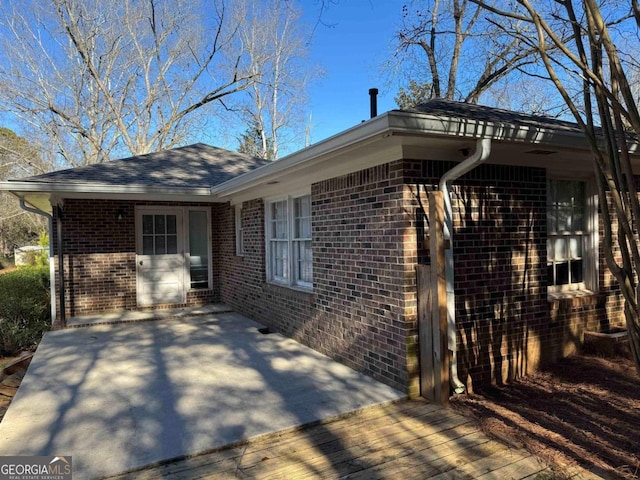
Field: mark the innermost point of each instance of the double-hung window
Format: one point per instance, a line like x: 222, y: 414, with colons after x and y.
x: 570, y: 243
x: 288, y: 231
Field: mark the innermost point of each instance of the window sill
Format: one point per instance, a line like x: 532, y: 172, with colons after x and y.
x: 203, y: 289
x: 290, y: 290
x: 575, y: 298
x: 570, y: 294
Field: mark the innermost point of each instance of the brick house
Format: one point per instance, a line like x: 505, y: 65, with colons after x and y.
x: 323, y: 245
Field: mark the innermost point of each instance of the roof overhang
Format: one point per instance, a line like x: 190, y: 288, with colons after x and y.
x: 41, y: 195
x: 392, y: 136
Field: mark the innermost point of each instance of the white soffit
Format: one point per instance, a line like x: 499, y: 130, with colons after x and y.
x: 369, y: 144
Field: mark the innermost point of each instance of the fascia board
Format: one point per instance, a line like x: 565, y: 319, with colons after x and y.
x: 93, y: 189
x: 315, y: 152
x: 425, y: 124
x: 410, y: 124
x: 407, y: 123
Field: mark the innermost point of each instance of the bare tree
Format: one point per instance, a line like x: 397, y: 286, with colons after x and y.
x: 126, y: 77
x: 414, y: 94
x: 456, y: 50
x: 586, y: 39
x: 17, y: 158
x: 275, y: 49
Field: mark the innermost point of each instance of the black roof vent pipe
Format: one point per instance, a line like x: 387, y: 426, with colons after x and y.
x: 373, y: 94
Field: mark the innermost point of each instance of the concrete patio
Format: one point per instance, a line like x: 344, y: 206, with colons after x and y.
x: 118, y: 397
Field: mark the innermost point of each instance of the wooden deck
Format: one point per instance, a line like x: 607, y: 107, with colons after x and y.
x: 411, y: 439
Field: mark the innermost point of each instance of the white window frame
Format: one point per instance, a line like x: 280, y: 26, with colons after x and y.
x: 187, y: 248
x: 590, y: 264
x: 239, y: 231
x: 289, y: 267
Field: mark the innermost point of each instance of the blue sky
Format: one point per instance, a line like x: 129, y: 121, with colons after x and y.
x: 350, y: 45
x: 351, y: 50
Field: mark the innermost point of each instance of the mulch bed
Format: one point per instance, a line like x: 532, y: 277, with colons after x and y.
x: 583, y: 409
x: 12, y: 370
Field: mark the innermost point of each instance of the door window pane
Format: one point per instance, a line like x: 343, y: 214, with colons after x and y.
x: 161, y: 247
x: 147, y: 224
x: 159, y: 234
x: 147, y: 245
x: 159, y: 225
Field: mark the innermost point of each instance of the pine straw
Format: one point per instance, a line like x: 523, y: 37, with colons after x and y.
x: 583, y: 410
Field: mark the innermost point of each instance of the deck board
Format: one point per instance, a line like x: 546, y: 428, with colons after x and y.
x: 407, y: 439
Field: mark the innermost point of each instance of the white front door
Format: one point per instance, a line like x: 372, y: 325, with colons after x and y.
x: 160, y: 256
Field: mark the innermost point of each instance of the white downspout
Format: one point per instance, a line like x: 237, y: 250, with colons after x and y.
x: 52, y: 267
x: 483, y: 149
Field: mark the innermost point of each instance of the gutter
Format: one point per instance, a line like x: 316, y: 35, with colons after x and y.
x: 52, y: 267
x: 100, y: 188
x: 483, y: 149
x: 400, y: 123
x: 298, y: 160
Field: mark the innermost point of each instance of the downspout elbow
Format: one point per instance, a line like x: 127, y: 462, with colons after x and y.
x: 483, y: 150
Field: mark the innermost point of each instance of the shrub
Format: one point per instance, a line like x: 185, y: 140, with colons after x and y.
x: 24, y: 309
x: 42, y: 259
x: 5, y: 262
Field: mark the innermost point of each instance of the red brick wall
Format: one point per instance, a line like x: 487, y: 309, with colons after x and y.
x: 360, y: 276
x: 506, y: 325
x: 368, y: 235
x: 99, y: 253
x: 356, y: 311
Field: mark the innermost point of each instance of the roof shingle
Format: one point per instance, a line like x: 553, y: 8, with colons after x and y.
x: 470, y: 111
x: 196, y: 165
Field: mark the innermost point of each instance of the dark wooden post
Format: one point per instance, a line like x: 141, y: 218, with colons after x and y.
x: 425, y: 331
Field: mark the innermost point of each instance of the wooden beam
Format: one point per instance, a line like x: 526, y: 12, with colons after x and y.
x: 439, y: 297
x: 425, y: 331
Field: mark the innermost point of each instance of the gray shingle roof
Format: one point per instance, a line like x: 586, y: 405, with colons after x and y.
x: 469, y: 111
x: 196, y: 165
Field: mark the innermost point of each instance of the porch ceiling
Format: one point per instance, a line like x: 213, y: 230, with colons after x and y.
x: 43, y: 196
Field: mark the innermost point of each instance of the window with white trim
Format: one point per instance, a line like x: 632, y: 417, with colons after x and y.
x: 288, y: 232
x: 301, y: 240
x: 199, y: 241
x: 570, y: 244
x: 239, y: 231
